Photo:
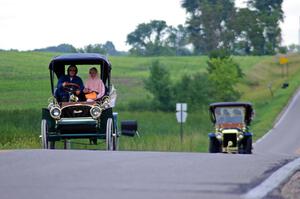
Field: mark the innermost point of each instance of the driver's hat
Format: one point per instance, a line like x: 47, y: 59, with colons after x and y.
x: 72, y: 66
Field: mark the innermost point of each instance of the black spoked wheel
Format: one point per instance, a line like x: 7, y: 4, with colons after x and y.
x: 44, y: 133
x: 115, y: 139
x: 46, y: 144
x: 109, y: 135
x: 214, y: 145
x: 248, y: 146
x: 52, y: 144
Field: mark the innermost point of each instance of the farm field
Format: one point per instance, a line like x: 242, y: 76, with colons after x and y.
x: 25, y: 88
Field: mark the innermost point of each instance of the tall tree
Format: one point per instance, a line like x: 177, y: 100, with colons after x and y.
x: 157, y: 38
x: 270, y: 14
x: 148, y: 38
x: 258, y: 28
x: 178, y: 40
x: 110, y: 49
x: 210, y: 24
x: 249, y: 31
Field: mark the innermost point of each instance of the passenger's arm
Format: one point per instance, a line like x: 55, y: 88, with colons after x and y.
x: 101, y: 89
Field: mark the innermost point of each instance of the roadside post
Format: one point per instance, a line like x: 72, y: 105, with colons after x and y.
x: 284, y: 62
x: 181, y: 115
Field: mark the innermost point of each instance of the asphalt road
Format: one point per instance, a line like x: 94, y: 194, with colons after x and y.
x: 74, y: 174
x: 43, y: 174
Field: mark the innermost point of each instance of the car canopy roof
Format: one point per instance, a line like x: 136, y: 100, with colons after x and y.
x: 248, y: 109
x: 57, y: 64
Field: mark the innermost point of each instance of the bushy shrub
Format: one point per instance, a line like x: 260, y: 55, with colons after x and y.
x: 222, y: 54
x: 224, y: 76
x: 196, y: 90
x: 160, y: 86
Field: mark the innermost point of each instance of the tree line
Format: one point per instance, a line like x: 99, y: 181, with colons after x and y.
x: 211, y: 25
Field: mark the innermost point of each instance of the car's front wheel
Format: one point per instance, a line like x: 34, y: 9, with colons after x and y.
x: 214, y: 145
x: 246, y: 146
x: 111, y: 136
x: 46, y: 144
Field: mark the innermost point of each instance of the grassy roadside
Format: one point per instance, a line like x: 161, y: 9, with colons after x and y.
x: 265, y: 76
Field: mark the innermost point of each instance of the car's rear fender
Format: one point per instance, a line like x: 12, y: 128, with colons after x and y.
x: 248, y: 134
x: 211, y: 135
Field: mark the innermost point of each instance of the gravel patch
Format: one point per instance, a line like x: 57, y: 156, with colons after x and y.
x: 289, y: 190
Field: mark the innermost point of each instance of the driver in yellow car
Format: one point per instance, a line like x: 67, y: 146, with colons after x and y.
x: 69, y: 85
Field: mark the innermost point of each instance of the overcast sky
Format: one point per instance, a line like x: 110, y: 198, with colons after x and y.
x: 30, y: 24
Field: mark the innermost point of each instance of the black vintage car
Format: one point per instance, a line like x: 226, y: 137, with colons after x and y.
x: 231, y: 121
x: 74, y: 119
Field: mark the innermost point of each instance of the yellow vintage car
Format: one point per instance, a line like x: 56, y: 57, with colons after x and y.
x: 231, y: 122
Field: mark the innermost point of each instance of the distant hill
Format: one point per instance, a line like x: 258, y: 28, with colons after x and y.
x: 108, y: 48
x: 64, y: 48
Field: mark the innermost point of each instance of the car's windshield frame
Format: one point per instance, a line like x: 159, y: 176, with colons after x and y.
x: 227, y: 114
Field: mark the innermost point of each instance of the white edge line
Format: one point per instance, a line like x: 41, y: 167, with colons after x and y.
x: 274, y: 181
x: 281, y: 116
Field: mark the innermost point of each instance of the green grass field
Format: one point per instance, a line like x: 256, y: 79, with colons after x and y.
x: 25, y: 88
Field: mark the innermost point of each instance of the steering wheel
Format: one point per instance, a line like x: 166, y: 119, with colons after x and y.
x: 71, y: 87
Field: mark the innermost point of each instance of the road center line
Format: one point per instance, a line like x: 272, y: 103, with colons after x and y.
x: 274, y: 181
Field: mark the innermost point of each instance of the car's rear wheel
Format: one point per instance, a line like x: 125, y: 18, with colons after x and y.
x: 44, y: 130
x: 52, y: 144
x: 115, y: 139
x: 46, y: 144
x: 214, y: 145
